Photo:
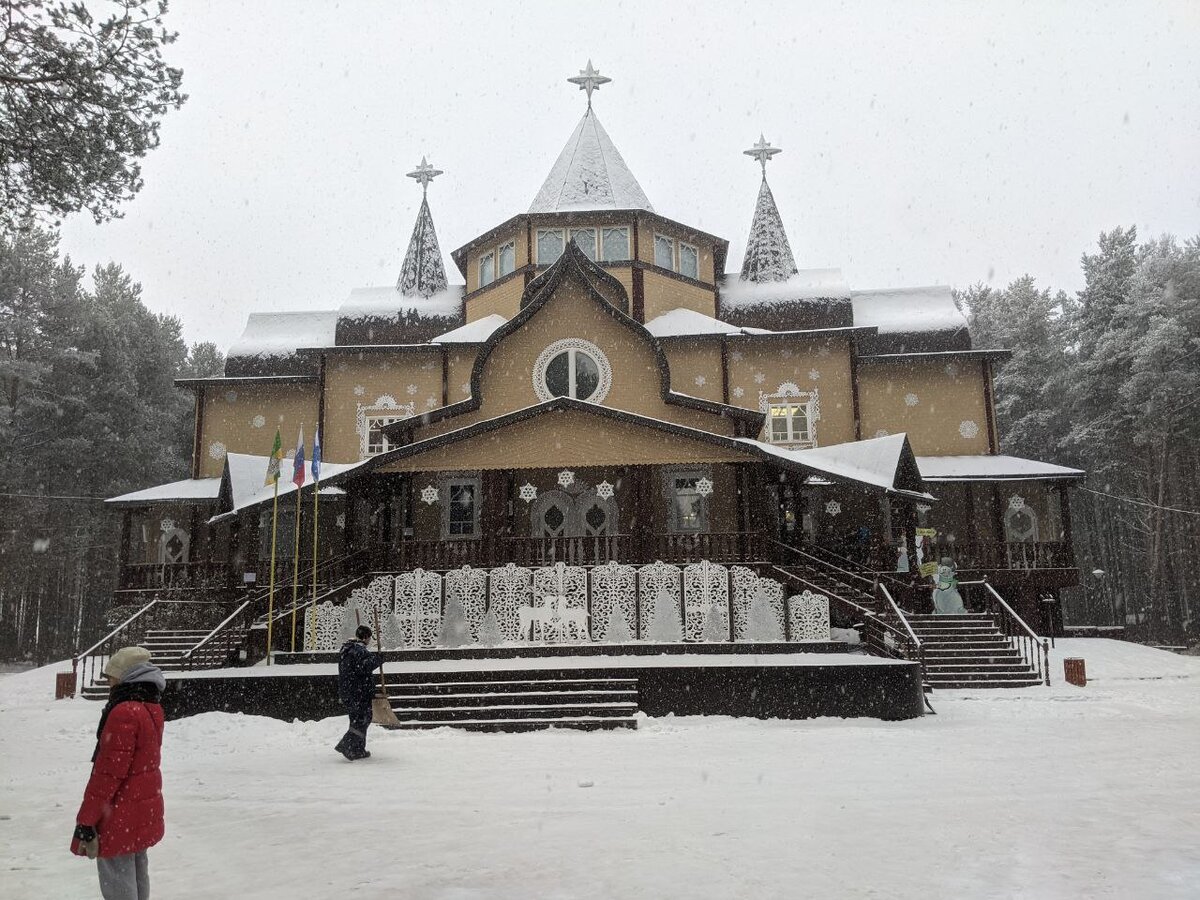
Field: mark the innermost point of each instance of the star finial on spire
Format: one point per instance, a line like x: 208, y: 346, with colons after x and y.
x: 589, y: 80
x: 423, y: 174
x: 762, y: 151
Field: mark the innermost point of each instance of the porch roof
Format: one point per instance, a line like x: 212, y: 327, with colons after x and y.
x: 189, y: 490
x: 992, y: 468
x: 885, y: 463
x: 241, y: 484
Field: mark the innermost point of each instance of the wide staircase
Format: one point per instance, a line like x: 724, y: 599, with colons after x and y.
x: 516, y: 704
x: 166, y: 646
x: 970, y: 651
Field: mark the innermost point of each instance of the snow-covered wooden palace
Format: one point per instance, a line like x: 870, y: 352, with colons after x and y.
x: 603, y: 445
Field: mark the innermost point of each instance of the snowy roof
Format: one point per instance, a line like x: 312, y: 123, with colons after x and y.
x: 990, y: 468
x: 423, y: 274
x: 806, y: 284
x: 679, y: 322
x: 389, y: 303
x: 188, y: 489
x: 473, y: 332
x: 907, y: 310
x: 768, y: 253
x: 589, y: 174
x: 276, y: 334
x: 247, y: 474
x: 875, y: 461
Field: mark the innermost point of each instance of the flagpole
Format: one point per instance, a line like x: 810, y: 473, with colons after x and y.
x: 312, y: 631
x: 295, y: 570
x: 271, y: 598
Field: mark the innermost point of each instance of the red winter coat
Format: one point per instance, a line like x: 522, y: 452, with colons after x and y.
x: 123, y: 799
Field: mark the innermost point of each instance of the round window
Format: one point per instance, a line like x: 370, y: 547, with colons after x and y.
x: 572, y: 368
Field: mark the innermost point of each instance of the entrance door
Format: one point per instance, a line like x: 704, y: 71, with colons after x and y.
x: 558, y: 514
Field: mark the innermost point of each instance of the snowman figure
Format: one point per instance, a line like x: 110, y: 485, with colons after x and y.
x: 946, y: 599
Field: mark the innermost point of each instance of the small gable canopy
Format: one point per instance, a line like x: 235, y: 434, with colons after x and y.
x: 887, y: 462
x: 190, y: 490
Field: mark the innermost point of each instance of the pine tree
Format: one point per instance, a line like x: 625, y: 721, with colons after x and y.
x: 455, y: 630
x: 665, y: 626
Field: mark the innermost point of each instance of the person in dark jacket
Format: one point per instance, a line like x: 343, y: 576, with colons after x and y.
x: 122, y: 811
x: 356, y: 687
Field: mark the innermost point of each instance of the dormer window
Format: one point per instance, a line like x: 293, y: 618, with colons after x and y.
x: 664, y: 252
x: 585, y: 238
x: 676, y: 256
x: 689, y: 260
x: 487, y: 269
x: 508, y: 258
x: 616, y: 244
x: 550, y: 244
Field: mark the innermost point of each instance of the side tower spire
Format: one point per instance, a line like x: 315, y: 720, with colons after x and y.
x: 768, y: 253
x: 423, y: 273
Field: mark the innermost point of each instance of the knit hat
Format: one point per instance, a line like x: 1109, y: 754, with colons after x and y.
x: 125, y: 659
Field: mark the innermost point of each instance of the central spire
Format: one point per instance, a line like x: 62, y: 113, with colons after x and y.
x: 589, y: 172
x: 768, y: 253
x: 423, y: 273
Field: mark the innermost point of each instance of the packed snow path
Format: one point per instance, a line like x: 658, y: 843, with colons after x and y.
x: 1060, y: 792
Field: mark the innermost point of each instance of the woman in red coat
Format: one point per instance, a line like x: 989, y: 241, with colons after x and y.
x: 122, y: 811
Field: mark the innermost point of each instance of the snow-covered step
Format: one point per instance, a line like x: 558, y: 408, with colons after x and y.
x: 507, y: 698
x: 514, y: 711
x: 589, y: 723
x: 971, y: 683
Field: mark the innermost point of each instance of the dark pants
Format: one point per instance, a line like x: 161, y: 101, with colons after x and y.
x: 354, y: 742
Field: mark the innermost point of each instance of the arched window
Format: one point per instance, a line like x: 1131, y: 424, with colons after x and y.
x: 572, y: 368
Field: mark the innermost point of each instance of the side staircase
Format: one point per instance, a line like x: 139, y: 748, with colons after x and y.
x: 516, y: 704
x: 970, y: 651
x: 166, y: 646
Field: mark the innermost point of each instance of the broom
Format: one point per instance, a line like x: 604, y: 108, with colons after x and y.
x: 381, y: 707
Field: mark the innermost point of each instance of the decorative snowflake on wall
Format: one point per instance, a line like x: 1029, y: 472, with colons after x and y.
x: 833, y: 508
x: 258, y: 421
x: 759, y: 377
x: 911, y: 399
x: 527, y: 492
x: 1016, y: 502
x: 923, y: 507
x: 411, y: 389
x: 384, y: 366
x: 217, y: 450
x: 786, y: 353
x: 359, y: 390
x: 429, y: 495
x: 739, y: 392
x: 604, y: 490
x: 814, y: 375
x: 167, y: 525
x: 700, y: 380
x: 430, y: 402
x: 231, y: 396
x: 465, y: 387
x: 736, y: 355
x: 704, y: 487
x: 427, y: 365
x: 882, y: 432
x: 968, y: 429
x: 952, y: 370
x: 340, y: 521
x: 566, y: 478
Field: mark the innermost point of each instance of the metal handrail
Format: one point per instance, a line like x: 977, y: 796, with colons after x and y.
x: 90, y: 650
x: 858, y: 608
x: 1042, y: 664
x: 903, y: 620
x: 204, y: 640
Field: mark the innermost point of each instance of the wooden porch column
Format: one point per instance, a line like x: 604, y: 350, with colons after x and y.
x: 641, y: 519
x: 493, y: 514
x: 1064, y: 499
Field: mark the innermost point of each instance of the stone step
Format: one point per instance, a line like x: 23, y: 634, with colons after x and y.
x: 973, y: 667
x: 518, y: 698
x: 588, y: 723
x: 514, y: 711
x: 956, y: 646
x: 978, y: 674
x: 429, y: 688
x: 969, y: 683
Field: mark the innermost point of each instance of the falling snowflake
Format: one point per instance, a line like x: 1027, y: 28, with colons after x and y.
x: 759, y: 377
x: 952, y: 370
x: 833, y: 508
x: 231, y: 396
x: 785, y: 353
x: 736, y: 355
x: 814, y: 375
x: 427, y: 365
x: 882, y: 432
x: 465, y: 387
x: 411, y: 389
x: 430, y: 402
x: 701, y: 381
x: 528, y: 492
x: 217, y: 450
x: 384, y: 366
x: 340, y: 521
x: 968, y: 429
x: 704, y: 487
x: 359, y: 390
x: 738, y: 392
x: 258, y: 421
x: 1016, y: 502
x: 911, y: 400
x: 566, y: 478
x: 429, y: 495
x: 167, y: 525
x: 823, y: 350
x: 604, y: 490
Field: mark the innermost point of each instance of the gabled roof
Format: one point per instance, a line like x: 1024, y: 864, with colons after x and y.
x: 887, y: 462
x: 768, y: 253
x: 190, y: 490
x: 589, y: 174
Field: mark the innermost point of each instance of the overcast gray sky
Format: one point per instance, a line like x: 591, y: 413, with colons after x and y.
x: 945, y: 143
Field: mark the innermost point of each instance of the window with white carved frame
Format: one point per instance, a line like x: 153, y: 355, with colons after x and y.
x: 508, y: 259
x: 790, y: 420
x: 377, y: 441
x: 550, y: 244
x: 487, y: 269
x: 609, y: 244
x: 664, y: 252
x: 689, y: 260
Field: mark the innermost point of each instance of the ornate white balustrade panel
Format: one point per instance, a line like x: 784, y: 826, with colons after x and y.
x: 419, y: 607
x: 748, y: 586
x: 660, y: 581
x: 705, y: 596
x: 511, y: 588
x: 614, y: 592
x: 469, y: 587
x: 809, y: 615
x: 328, y: 627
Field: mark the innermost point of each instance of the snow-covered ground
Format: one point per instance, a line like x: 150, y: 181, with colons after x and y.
x: 1060, y: 792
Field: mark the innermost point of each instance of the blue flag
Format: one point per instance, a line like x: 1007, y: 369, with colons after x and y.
x: 316, y: 460
x: 298, y: 462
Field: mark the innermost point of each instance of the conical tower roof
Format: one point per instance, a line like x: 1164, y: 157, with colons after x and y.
x: 423, y: 273
x: 589, y: 174
x: 768, y: 253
